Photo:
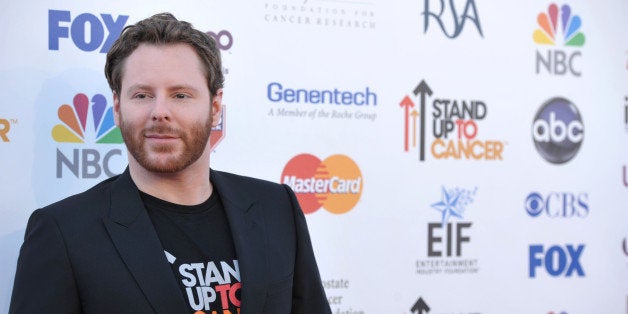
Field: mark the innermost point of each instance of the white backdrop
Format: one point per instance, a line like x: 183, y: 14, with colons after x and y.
x: 502, y: 230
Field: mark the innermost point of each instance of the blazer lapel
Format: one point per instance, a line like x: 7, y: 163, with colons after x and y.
x: 136, y: 240
x: 248, y: 229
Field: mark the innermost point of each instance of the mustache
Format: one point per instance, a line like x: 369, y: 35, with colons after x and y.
x: 161, y: 129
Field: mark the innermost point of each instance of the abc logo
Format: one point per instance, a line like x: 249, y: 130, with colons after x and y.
x: 558, y: 130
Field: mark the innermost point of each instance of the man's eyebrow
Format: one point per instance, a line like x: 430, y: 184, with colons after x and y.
x: 138, y: 86
x: 182, y: 87
x: 177, y: 87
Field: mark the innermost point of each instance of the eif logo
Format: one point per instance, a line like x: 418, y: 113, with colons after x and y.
x: 556, y: 260
x: 455, y: 126
x: 447, y: 17
x: 558, y: 130
x: 5, y: 127
x: 88, y: 32
x: 334, y: 183
x: 453, y: 203
x: 77, y: 125
x: 447, y: 238
x: 558, y: 28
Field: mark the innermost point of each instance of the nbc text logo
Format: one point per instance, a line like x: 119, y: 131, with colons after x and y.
x: 75, y: 128
x: 334, y: 183
x: 554, y: 29
x: 87, y: 31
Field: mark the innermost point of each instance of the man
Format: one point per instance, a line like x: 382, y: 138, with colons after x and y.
x: 169, y: 235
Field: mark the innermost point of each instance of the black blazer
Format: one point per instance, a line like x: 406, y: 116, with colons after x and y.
x: 97, y: 252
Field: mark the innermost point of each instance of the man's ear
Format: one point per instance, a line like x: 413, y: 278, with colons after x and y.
x: 116, y: 108
x: 216, y: 108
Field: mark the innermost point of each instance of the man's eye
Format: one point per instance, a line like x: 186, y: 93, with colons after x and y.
x: 181, y: 96
x: 140, y: 96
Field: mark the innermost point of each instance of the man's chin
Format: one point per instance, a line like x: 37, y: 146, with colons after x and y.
x: 163, y: 162
x: 163, y: 168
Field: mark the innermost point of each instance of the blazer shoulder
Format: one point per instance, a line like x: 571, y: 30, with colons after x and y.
x: 94, y: 197
x: 244, y: 182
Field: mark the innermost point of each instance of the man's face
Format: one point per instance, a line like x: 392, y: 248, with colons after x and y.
x: 164, y: 109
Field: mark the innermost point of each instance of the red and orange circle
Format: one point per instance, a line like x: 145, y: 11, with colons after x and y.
x: 334, y: 183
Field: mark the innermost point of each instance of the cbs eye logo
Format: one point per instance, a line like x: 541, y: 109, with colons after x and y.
x: 558, y: 130
x: 334, y: 183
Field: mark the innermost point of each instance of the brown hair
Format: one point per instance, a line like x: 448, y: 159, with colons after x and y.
x: 162, y: 29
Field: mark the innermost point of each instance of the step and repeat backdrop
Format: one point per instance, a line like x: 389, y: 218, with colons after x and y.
x: 451, y: 156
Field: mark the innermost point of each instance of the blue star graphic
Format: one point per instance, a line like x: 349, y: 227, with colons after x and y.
x: 448, y: 205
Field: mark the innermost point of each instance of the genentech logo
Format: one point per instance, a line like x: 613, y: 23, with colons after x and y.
x: 455, y: 127
x: 334, y: 183
x: 75, y: 128
x: 558, y: 130
x: 558, y: 29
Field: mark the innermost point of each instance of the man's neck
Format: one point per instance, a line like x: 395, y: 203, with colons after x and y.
x: 190, y: 186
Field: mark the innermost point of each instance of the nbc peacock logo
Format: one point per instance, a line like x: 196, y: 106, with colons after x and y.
x: 87, y: 120
x: 553, y: 24
x: 559, y: 30
x: 74, y: 121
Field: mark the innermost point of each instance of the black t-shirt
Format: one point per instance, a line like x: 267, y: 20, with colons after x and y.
x: 198, y: 244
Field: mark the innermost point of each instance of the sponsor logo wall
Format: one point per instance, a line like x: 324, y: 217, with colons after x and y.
x: 452, y: 156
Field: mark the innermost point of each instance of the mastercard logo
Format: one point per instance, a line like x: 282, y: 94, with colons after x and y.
x: 334, y: 183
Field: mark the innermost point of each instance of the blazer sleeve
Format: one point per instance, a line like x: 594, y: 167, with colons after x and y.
x: 44, y: 282
x: 308, y: 295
